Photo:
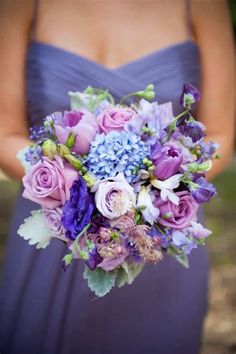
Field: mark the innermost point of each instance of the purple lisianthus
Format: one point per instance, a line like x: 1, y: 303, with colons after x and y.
x: 193, y: 129
x: 78, y: 210
x: 190, y: 95
x: 167, y: 160
x: 203, y: 191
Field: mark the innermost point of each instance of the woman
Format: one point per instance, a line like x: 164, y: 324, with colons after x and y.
x: 49, y: 48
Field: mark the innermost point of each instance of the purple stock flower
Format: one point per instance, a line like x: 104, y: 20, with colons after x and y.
x: 37, y: 133
x: 203, y: 191
x: 167, y: 160
x: 78, y: 210
x: 190, y: 95
x: 34, y: 154
x: 193, y: 129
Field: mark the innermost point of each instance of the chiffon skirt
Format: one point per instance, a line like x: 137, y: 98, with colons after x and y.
x: 45, y: 310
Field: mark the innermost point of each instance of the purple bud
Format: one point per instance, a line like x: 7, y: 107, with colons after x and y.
x: 193, y: 129
x: 94, y: 259
x: 204, y: 191
x: 198, y: 231
x: 167, y: 160
x: 190, y: 95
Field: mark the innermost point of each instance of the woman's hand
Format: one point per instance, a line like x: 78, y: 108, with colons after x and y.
x: 15, y: 21
x: 212, y: 27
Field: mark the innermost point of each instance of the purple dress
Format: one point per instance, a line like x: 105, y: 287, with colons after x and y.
x: 44, y: 310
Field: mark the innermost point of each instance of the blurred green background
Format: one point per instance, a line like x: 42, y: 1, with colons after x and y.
x: 220, y: 325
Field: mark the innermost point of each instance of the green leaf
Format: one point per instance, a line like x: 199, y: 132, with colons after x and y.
x: 128, y: 272
x: 183, y: 260
x: 99, y: 281
x: 68, y: 259
x: 70, y: 140
x: 35, y: 230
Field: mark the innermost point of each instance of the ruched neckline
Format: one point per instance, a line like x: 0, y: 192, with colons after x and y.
x: 136, y: 61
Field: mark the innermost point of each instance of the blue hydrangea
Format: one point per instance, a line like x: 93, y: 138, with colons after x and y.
x: 116, y: 152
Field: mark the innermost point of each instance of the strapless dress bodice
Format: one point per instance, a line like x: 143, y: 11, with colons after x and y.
x: 52, y: 71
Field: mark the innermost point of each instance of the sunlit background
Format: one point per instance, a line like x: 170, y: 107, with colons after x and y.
x: 220, y: 325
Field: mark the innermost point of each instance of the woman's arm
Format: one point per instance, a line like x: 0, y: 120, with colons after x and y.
x: 213, y: 31
x: 15, y: 21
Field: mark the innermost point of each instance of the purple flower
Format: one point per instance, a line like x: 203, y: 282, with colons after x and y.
x: 152, y: 117
x: 48, y: 182
x: 208, y: 149
x: 162, y: 237
x: 190, y: 95
x: 167, y: 160
x: 198, y: 231
x: 94, y: 258
x: 34, y: 154
x: 193, y: 129
x: 53, y: 219
x: 181, y: 241
x: 78, y: 210
x: 177, y: 216
x: 80, y: 123
x: 203, y: 191
x: 37, y: 133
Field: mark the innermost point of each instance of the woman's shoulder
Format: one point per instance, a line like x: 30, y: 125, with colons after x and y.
x: 16, y: 18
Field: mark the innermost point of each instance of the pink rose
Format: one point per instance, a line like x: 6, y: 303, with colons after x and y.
x: 82, y: 124
x: 114, y: 118
x: 48, y: 182
x: 177, y: 216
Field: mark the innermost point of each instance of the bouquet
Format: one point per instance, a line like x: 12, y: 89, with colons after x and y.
x: 119, y: 184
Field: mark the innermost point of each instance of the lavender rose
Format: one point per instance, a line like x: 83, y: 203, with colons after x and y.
x: 167, y: 160
x: 53, y: 219
x: 82, y: 124
x: 114, y: 118
x: 177, y: 216
x: 48, y: 182
x: 114, y: 196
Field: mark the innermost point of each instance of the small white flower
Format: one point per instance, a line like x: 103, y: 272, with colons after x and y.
x: 144, y: 203
x: 166, y: 187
